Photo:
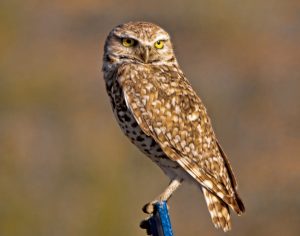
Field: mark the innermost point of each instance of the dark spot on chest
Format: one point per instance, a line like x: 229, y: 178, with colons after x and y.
x: 134, y: 124
x: 147, y: 151
x: 126, y: 118
x: 153, y: 143
x: 140, y: 139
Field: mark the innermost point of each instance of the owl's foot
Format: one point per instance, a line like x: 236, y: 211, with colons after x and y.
x: 149, y: 207
x: 173, y: 185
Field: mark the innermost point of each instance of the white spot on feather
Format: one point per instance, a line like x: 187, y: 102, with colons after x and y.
x: 208, y: 183
x: 194, y: 116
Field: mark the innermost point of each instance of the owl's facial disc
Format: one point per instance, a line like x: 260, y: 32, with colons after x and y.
x: 145, y: 51
x: 139, y: 42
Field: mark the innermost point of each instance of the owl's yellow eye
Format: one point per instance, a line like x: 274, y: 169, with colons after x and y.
x: 159, y: 44
x: 128, y: 42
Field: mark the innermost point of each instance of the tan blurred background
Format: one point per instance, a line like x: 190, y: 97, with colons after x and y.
x: 66, y: 168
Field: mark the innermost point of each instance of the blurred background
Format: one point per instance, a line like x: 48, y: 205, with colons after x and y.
x: 65, y: 166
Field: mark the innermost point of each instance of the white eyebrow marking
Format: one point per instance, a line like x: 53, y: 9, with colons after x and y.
x: 127, y: 36
x: 161, y: 38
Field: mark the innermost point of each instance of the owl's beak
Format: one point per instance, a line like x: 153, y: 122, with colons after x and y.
x: 145, y: 54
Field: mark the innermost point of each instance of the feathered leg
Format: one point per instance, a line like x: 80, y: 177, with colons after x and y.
x: 164, y: 196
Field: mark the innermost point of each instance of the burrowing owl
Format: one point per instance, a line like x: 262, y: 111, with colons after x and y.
x: 162, y: 115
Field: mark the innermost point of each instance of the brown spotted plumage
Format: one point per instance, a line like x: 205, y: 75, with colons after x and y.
x: 162, y: 115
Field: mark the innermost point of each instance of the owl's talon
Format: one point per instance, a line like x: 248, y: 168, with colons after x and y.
x: 149, y: 208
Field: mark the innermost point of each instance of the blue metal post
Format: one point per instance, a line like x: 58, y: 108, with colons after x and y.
x: 159, y: 223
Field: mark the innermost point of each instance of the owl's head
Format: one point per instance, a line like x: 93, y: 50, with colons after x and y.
x: 140, y: 42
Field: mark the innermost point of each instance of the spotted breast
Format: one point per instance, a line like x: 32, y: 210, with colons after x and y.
x: 136, y: 135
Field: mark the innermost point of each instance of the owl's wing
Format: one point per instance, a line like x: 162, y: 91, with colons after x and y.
x: 166, y: 108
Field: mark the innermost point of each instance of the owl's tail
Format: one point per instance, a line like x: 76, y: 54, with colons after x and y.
x: 218, y: 210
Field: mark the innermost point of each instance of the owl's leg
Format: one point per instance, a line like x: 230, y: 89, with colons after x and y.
x: 164, y: 196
